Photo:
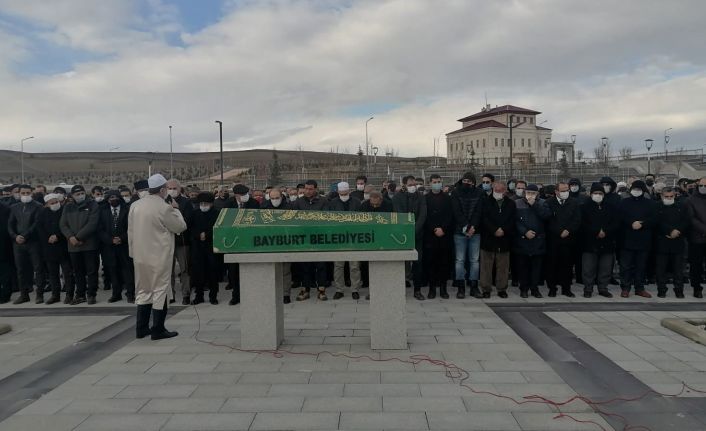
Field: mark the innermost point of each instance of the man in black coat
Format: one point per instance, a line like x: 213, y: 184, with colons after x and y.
x: 376, y: 204
x: 497, y: 227
x: 438, y: 237
x: 562, y: 233
x: 242, y: 200
x: 671, y: 229
x: 313, y: 274
x: 207, y: 265
x: 412, y: 201
x: 696, y: 206
x: 5, y: 255
x: 345, y: 202
x: 22, y: 227
x: 530, y: 245
x: 638, y: 221
x: 600, y: 223
x: 290, y: 271
x: 466, y: 200
x: 112, y: 233
x: 54, y: 250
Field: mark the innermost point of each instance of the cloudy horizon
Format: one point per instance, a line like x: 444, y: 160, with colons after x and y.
x: 81, y: 75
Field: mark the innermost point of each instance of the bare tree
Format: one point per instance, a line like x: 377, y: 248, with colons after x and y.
x: 625, y: 153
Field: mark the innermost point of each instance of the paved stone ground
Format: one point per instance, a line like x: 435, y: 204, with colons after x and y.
x: 185, y: 384
x: 637, y: 342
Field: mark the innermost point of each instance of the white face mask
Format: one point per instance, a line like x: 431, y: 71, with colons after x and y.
x: 366, y: 196
x: 127, y: 199
x: 702, y: 190
x: 55, y: 207
x: 16, y: 196
x: 98, y: 199
x: 360, y: 187
x: 636, y: 193
x: 301, y: 195
x: 520, y: 192
x: 79, y: 198
x: 25, y: 199
x: 293, y: 198
x: 606, y: 188
x: 204, y: 208
x: 142, y: 194
x: 276, y: 202
x: 267, y: 197
x: 244, y: 198
x: 597, y: 198
x: 344, y: 198
x: 564, y: 195
x: 498, y: 196
x: 173, y: 193
x: 61, y: 198
x: 668, y: 202
x: 531, y: 197
x: 574, y: 189
x: 412, y: 189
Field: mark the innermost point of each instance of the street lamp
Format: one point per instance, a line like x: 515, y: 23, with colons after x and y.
x: 171, y: 155
x: 666, y: 141
x: 375, y: 155
x: 22, y: 157
x: 110, y: 152
x: 367, y: 152
x: 604, y: 140
x: 220, y: 130
x: 648, y: 145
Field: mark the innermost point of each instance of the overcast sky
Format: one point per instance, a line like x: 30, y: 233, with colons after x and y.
x: 89, y: 75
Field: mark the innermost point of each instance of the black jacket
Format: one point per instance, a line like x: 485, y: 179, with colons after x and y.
x: 187, y: 210
x: 23, y: 220
x: 467, y: 206
x: 566, y: 216
x: 106, y: 230
x: 671, y: 217
x: 283, y: 206
x: 203, y: 222
x: 81, y: 221
x: 5, y: 240
x: 439, y: 215
x: 337, y: 204
x: 696, y: 207
x: 48, y: 225
x: 594, y: 218
x: 531, y: 217
x: 317, y: 203
x: 385, y: 207
x: 637, y: 209
x: 496, y: 215
x: 414, y: 203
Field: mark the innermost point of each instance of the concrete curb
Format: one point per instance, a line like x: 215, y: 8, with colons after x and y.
x: 690, y: 328
x: 5, y: 328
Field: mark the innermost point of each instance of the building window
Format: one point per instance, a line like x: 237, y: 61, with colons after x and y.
x: 496, y: 142
x: 502, y: 142
x: 531, y: 120
x: 524, y: 119
x: 496, y: 161
x: 529, y: 142
x: 483, y: 142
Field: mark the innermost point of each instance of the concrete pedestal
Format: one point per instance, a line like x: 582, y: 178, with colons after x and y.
x: 261, y: 295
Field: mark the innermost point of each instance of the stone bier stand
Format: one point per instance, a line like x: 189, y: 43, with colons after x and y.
x: 255, y: 239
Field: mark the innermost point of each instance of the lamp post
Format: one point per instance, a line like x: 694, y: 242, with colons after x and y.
x: 573, y: 148
x: 375, y: 155
x: 367, y: 152
x: 220, y: 131
x: 171, y: 155
x: 604, y: 140
x: 666, y: 141
x: 648, y: 145
x: 22, y: 157
x: 110, y: 152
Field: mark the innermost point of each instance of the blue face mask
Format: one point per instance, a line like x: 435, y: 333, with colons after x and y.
x: 436, y: 186
x: 486, y: 187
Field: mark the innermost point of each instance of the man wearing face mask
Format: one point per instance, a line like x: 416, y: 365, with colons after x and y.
x: 241, y: 200
x: 530, y: 239
x: 467, y: 204
x: 242, y: 197
x: 152, y: 224
x: 518, y: 193
x: 600, y: 224
x: 5, y: 255
x: 511, y: 184
x: 486, y: 183
x: 22, y: 227
x: 390, y: 191
x: 438, y: 238
x: 181, y: 241
x: 207, y: 265
x: 376, y: 203
x: 54, y: 249
x: 112, y: 233
x: 290, y: 272
x: 650, y: 183
x: 638, y: 221
x: 141, y: 189
x: 97, y: 195
x: 671, y: 231
x: 411, y: 201
x: 345, y: 202
x: 696, y: 208
x: 79, y: 224
x: 313, y: 274
x: 126, y: 195
x: 563, y: 228
x: 361, y: 182
x: 497, y: 230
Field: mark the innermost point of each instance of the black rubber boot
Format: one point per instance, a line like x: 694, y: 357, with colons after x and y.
x: 432, y: 292
x: 142, y: 327
x: 159, y: 332
x: 473, y: 289
x: 443, y: 293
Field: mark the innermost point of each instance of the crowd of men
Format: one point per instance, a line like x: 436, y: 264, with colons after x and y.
x: 472, y: 235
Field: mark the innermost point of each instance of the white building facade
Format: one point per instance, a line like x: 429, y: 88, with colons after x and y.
x: 484, y: 138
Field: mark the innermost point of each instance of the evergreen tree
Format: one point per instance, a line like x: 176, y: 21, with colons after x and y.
x: 275, y: 174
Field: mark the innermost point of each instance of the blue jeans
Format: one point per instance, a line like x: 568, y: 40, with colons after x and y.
x: 467, y: 249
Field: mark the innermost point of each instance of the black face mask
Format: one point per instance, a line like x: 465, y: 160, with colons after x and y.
x: 649, y: 182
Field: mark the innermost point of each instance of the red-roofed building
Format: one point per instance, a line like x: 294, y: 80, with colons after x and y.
x: 485, y: 137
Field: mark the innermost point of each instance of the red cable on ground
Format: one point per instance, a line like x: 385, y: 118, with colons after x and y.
x: 460, y: 375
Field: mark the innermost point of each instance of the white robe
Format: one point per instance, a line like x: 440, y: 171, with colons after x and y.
x: 152, y: 224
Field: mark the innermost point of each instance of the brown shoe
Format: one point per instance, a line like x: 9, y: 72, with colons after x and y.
x: 624, y: 294
x: 644, y: 294
x: 303, y: 295
x: 322, y: 295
